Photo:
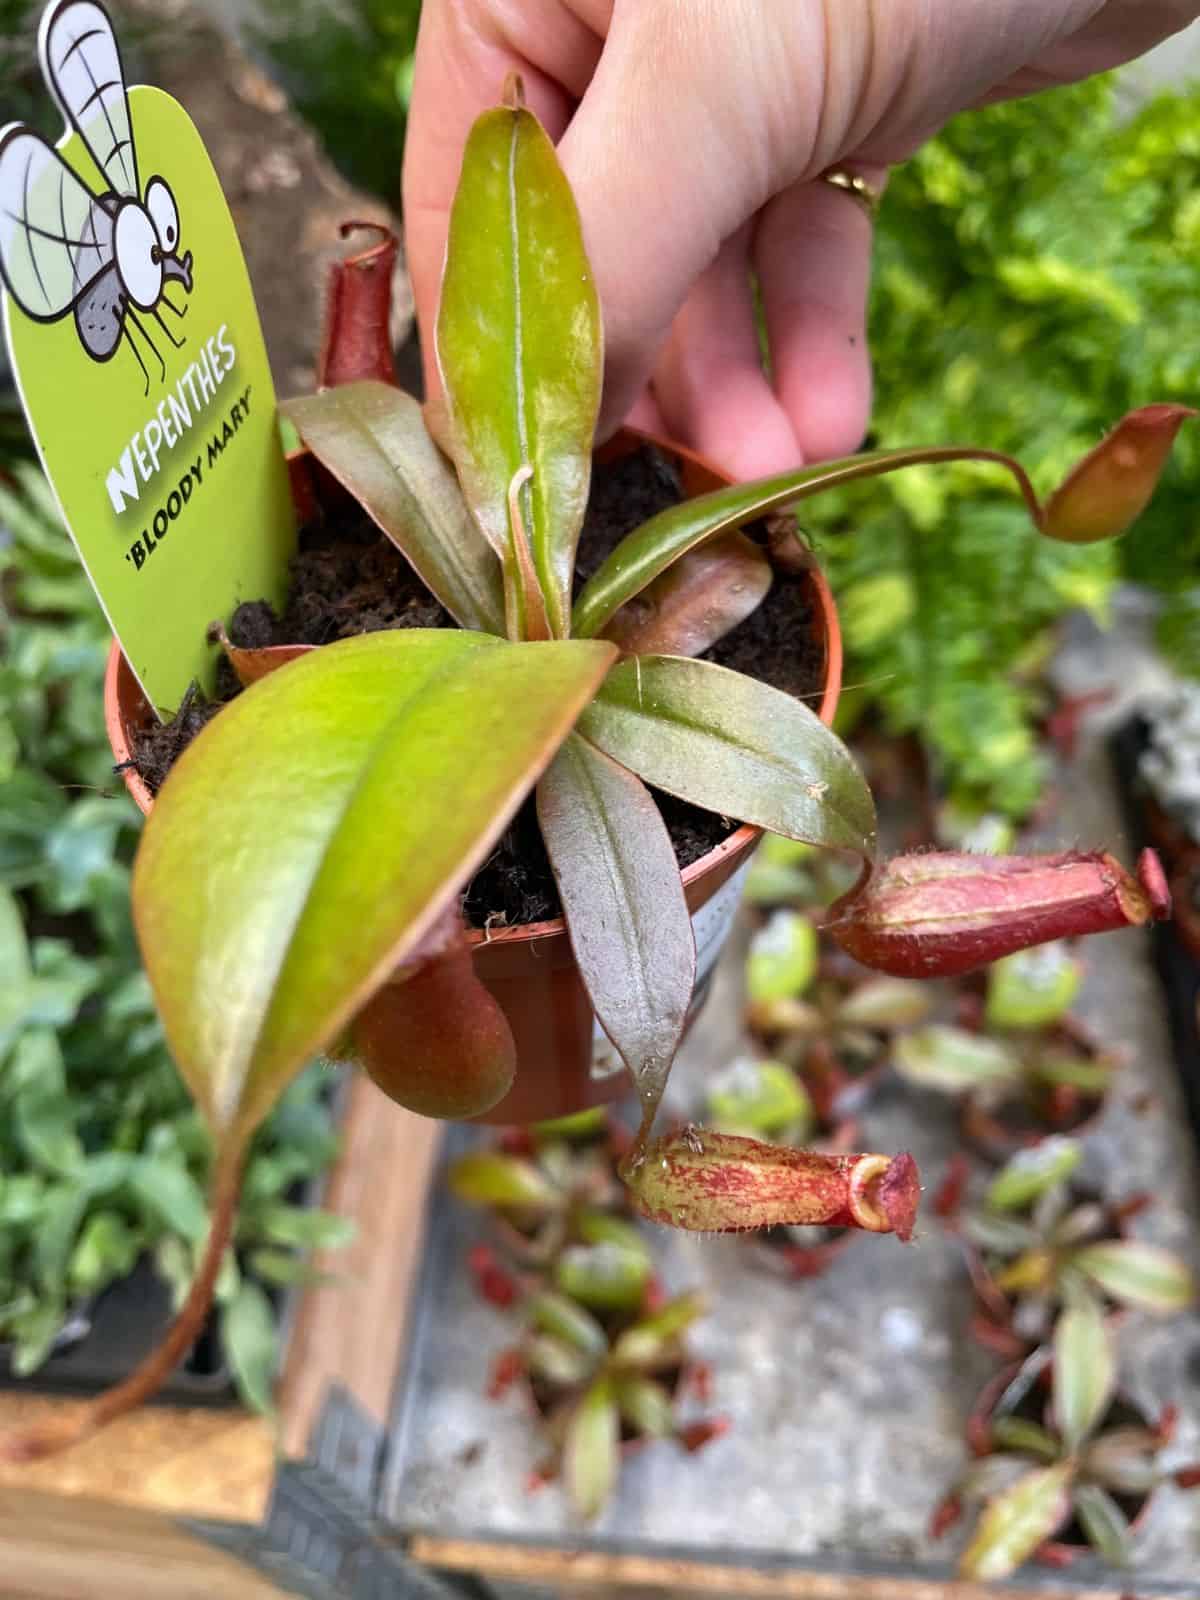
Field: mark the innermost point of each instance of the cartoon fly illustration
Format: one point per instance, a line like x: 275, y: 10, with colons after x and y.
x: 106, y: 257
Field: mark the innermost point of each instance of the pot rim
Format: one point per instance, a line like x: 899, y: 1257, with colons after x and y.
x: 740, y: 840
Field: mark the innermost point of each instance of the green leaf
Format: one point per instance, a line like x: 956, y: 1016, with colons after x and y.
x: 561, y: 1364
x: 285, y: 1269
x: 1031, y: 1173
x: 645, y: 1405
x: 487, y: 1178
x: 885, y: 1003
x: 696, y: 602
x: 601, y: 1227
x: 590, y: 1452
x: 519, y: 347
x: 305, y: 1227
x: 603, y: 1277
x: 1019, y: 1433
x: 170, y: 1195
x: 656, y: 1338
x: 782, y: 959
x: 734, y: 746
x: 1085, y: 1371
x: 1032, y: 988
x: 557, y: 1315
x: 1124, y: 1460
x: 44, y: 1114
x: 62, y: 1213
x: 652, y: 548
x: 34, y: 1333
x: 316, y: 830
x: 763, y: 1097
x: 579, y: 1125
x: 953, y: 1060
x: 1092, y: 1077
x: 781, y: 870
x: 14, y: 948
x: 999, y: 1233
x: 106, y: 1250
x: 1105, y: 1524
x: 1137, y: 1274
x: 79, y: 851
x: 372, y: 438
x: 623, y: 898
x: 251, y: 1345
x: 1018, y: 1521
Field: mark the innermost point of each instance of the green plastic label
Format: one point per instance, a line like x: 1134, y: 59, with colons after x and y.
x: 139, y: 357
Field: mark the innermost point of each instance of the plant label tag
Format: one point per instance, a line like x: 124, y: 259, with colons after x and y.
x: 139, y: 358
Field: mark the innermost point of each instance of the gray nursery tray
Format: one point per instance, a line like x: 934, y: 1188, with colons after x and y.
x: 846, y: 1394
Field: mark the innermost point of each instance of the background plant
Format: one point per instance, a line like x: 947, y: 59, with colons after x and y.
x: 1024, y: 1050
x: 819, y: 1011
x: 1041, y: 1240
x: 348, y: 70
x: 601, y: 1350
x: 103, y: 1158
x: 1039, y: 1477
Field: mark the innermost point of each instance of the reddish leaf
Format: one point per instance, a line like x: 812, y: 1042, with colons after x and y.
x: 694, y: 1436
x: 626, y: 914
x: 251, y: 664
x: 695, y: 602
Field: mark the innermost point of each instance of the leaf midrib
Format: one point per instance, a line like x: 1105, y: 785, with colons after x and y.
x: 639, y: 715
x: 611, y: 857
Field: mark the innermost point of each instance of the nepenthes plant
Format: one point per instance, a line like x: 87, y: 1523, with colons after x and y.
x: 314, y: 842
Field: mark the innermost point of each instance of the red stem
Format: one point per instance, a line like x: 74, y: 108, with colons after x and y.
x: 158, y: 1366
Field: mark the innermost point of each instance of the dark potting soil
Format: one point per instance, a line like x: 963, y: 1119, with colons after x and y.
x: 158, y: 745
x: 347, y: 578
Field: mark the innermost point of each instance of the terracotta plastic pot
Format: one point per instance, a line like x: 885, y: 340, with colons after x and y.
x: 565, y: 1063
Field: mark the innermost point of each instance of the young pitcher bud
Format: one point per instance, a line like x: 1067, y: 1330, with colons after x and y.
x: 722, y: 1183
x: 357, y: 341
x: 1113, y: 484
x: 945, y: 913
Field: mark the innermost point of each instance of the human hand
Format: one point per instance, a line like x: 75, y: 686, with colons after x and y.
x: 694, y: 133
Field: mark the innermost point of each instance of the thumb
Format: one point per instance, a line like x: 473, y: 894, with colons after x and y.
x: 688, y: 126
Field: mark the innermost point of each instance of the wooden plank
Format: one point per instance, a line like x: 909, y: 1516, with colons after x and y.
x: 197, y: 1461
x: 50, y: 1550
x: 351, y: 1331
x: 584, y: 1570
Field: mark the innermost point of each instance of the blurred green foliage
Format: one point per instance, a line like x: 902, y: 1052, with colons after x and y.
x: 23, y: 97
x: 348, y: 70
x: 103, y: 1158
x: 1035, y: 278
